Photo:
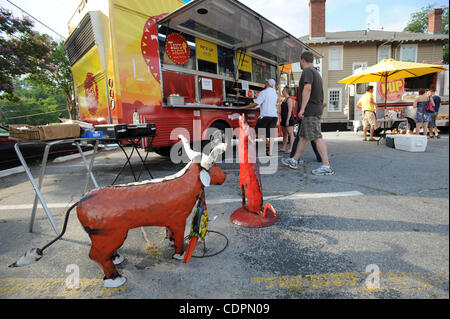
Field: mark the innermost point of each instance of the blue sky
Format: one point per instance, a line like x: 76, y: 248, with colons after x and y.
x: 291, y: 15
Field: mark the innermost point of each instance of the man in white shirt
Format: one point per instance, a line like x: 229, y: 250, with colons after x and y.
x: 268, y: 118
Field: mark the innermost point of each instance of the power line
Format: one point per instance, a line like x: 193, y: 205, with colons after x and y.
x: 31, y: 115
x: 37, y: 20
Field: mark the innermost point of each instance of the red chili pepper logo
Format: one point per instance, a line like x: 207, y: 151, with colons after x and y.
x: 91, y: 91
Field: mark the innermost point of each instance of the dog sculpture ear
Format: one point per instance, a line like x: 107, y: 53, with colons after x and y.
x: 192, y: 155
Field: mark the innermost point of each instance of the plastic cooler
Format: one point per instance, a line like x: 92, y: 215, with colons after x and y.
x: 410, y: 143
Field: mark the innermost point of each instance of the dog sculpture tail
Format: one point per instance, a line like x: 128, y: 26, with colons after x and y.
x: 35, y: 254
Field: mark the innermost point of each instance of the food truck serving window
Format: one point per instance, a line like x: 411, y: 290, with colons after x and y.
x: 421, y: 82
x: 231, y: 24
x: 233, y: 48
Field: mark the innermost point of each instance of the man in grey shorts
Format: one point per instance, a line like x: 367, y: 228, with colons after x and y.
x: 310, y: 100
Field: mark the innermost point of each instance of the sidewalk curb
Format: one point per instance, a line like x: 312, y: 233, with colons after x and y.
x: 12, y: 171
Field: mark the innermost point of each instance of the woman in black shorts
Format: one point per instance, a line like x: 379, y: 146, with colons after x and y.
x: 287, y: 120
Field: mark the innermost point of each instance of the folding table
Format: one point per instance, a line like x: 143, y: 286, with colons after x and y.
x: 386, y: 124
x: 38, y: 187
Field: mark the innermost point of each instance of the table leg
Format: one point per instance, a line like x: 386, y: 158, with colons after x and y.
x: 143, y: 162
x: 41, y: 179
x: 90, y: 166
x: 127, y: 162
x: 36, y: 188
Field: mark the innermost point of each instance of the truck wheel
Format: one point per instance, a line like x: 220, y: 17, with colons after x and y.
x: 179, y: 154
x: 403, y: 126
x: 163, y: 151
x: 215, y: 136
x: 378, y: 131
x: 296, y: 128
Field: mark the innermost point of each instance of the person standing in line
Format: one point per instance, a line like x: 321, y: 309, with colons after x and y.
x: 311, y: 109
x: 287, y: 120
x: 267, y: 103
x: 422, y: 116
x: 437, y: 105
x: 368, y: 106
x: 297, y: 138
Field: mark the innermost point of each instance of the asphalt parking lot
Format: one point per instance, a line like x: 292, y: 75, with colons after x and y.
x: 378, y: 228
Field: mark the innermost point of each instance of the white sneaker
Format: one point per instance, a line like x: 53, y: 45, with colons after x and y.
x: 291, y: 162
x: 323, y: 170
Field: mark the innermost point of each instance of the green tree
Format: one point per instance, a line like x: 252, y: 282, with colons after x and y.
x: 34, y: 105
x: 22, y: 51
x: 56, y: 76
x: 418, y: 23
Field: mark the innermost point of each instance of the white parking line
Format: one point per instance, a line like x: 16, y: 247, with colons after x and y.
x: 213, y: 202
x: 30, y: 206
x: 290, y: 197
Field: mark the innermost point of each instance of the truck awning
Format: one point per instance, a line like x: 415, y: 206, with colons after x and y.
x: 235, y: 26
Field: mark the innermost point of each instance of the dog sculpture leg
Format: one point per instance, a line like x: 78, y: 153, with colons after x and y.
x: 103, y: 249
x: 178, y: 235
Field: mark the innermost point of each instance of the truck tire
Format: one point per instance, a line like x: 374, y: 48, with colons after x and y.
x: 163, y: 151
x: 402, y: 125
x: 215, y: 136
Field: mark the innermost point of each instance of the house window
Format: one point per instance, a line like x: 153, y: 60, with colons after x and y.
x: 384, y: 52
x: 335, y: 58
x: 408, y: 53
x: 359, y: 66
x: 334, y: 100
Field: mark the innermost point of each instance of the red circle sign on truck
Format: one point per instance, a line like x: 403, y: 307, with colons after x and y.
x: 177, y: 48
x: 395, y: 90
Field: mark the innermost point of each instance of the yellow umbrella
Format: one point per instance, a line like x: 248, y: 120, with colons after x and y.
x: 390, y: 69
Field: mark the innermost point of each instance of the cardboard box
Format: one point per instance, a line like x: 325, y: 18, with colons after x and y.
x: 44, y: 132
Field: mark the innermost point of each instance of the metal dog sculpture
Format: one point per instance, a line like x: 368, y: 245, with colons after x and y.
x: 251, y: 214
x: 108, y: 214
